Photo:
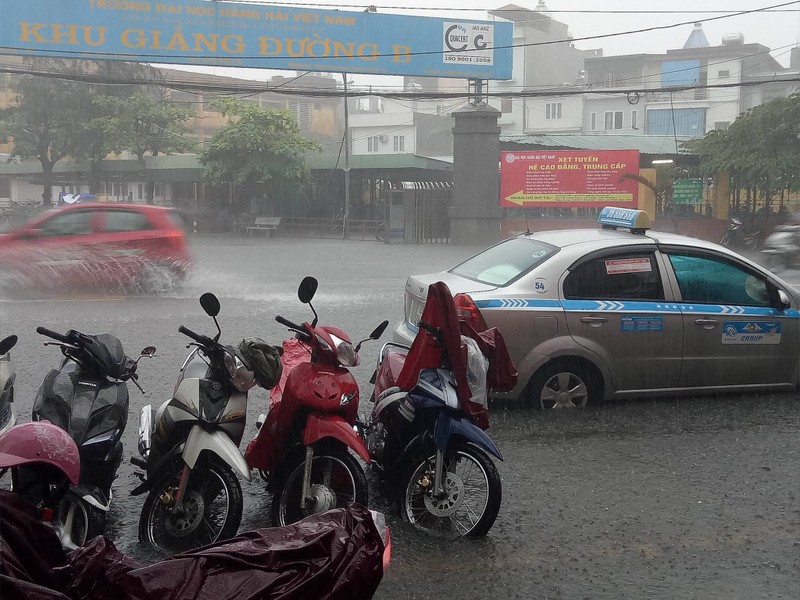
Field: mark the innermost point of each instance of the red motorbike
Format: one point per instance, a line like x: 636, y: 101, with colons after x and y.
x: 303, y: 447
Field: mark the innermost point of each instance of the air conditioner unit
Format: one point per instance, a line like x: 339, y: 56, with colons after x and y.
x: 384, y: 138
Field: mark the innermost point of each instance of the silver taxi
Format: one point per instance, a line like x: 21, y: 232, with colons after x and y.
x: 622, y: 311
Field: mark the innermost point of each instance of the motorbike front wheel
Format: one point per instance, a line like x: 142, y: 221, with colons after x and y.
x: 211, y: 510
x: 470, y: 500
x: 337, y: 479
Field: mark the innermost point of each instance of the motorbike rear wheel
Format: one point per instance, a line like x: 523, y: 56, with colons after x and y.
x: 337, y: 479
x: 473, y: 493
x: 212, y: 509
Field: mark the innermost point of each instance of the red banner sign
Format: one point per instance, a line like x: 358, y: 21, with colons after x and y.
x: 571, y: 178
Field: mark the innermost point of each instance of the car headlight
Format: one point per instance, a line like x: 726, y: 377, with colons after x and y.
x: 243, y: 378
x: 345, y: 352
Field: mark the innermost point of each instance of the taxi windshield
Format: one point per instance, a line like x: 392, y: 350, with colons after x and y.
x: 503, y: 263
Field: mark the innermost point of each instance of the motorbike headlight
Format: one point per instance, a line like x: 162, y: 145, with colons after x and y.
x: 345, y: 352
x: 322, y: 343
x: 243, y: 378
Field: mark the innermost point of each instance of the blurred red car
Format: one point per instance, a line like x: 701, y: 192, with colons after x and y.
x: 126, y: 247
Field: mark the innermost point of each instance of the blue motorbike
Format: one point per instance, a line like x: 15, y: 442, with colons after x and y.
x: 424, y: 438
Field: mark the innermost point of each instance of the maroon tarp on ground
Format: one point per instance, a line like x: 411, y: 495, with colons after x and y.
x: 335, y: 555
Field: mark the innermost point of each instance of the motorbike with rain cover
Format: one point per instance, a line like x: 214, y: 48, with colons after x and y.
x: 303, y: 447
x: 7, y: 377
x: 87, y: 396
x: 189, y: 446
x: 426, y: 432
x: 341, y: 554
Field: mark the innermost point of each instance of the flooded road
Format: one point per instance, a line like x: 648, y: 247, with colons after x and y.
x: 691, y: 498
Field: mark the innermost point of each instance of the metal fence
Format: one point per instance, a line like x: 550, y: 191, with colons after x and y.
x: 425, y: 210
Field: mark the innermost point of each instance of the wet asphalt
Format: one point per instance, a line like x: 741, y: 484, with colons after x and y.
x: 672, y: 498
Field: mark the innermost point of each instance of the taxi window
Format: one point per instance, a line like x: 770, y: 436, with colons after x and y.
x: 615, y: 277
x: 710, y: 280
x: 504, y: 262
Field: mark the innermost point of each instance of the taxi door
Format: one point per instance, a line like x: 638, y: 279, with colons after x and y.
x: 616, y: 306
x: 734, y: 334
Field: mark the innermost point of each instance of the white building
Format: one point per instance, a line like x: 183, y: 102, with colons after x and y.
x: 559, y: 89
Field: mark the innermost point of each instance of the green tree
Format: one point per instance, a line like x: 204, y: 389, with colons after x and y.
x: 760, y: 150
x: 148, y: 123
x: 97, y: 138
x: 47, y: 116
x: 257, y: 149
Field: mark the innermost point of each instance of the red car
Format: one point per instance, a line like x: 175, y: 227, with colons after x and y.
x: 112, y: 247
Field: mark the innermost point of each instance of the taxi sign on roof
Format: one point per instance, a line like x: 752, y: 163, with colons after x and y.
x: 612, y: 217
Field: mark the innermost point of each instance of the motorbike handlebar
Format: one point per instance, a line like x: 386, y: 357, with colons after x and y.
x: 52, y: 334
x: 289, y: 324
x: 200, y: 339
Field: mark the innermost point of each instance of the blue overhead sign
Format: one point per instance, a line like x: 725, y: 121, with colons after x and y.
x: 235, y: 34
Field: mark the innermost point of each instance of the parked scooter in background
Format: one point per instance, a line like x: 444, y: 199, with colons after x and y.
x: 737, y: 235
x: 303, y: 447
x: 424, y: 434
x: 87, y: 396
x: 7, y: 377
x: 189, y: 447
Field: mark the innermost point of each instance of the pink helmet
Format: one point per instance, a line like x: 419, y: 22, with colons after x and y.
x: 40, y: 442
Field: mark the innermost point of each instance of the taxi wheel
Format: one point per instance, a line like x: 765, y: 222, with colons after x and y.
x: 563, y: 384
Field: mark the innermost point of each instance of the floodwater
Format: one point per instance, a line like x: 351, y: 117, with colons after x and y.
x: 692, y: 498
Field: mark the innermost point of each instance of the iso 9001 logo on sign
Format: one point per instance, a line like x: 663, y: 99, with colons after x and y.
x: 468, y: 43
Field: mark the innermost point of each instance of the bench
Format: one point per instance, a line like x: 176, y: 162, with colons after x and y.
x: 268, y: 225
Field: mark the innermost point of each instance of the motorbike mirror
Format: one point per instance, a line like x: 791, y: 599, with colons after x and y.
x: 7, y: 344
x: 307, y: 289
x: 149, y: 352
x: 379, y: 330
x: 210, y: 304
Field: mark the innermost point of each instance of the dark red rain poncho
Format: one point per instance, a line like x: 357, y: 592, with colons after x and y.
x: 426, y: 352
x: 336, y: 555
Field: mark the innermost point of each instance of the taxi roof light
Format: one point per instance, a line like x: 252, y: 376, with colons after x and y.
x: 611, y: 217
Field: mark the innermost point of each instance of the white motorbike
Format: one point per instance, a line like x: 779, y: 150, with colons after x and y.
x: 7, y: 376
x: 782, y: 247
x: 190, y: 447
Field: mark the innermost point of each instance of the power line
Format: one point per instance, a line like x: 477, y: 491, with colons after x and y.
x: 361, y: 7
x: 259, y: 87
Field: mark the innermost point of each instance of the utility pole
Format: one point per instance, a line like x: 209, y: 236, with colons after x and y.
x: 346, y: 217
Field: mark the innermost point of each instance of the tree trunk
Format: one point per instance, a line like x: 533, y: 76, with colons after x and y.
x: 151, y: 186
x: 47, y: 181
x: 95, y: 179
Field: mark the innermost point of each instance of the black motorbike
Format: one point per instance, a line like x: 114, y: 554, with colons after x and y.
x: 738, y: 235
x: 87, y: 396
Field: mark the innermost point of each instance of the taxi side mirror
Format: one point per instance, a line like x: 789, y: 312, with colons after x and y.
x: 784, y: 301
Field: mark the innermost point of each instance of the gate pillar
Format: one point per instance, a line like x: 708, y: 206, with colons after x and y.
x: 475, y: 213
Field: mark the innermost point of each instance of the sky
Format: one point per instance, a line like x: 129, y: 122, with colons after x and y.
x: 778, y: 29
